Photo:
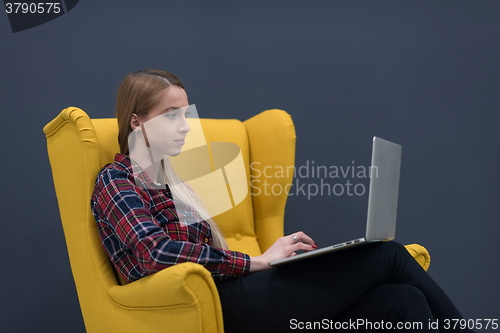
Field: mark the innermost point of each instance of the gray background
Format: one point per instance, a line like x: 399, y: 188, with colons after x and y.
x: 422, y: 73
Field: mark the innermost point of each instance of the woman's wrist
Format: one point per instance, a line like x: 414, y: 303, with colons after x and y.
x: 258, y: 264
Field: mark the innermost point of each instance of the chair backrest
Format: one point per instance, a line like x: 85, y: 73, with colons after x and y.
x: 79, y: 147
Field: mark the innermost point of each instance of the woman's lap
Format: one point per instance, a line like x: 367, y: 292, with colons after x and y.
x: 323, y: 287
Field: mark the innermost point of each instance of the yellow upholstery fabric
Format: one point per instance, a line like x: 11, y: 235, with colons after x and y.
x: 420, y: 254
x: 182, y: 298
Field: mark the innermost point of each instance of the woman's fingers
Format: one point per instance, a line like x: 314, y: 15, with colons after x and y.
x: 300, y: 236
x: 288, y: 246
x: 302, y: 246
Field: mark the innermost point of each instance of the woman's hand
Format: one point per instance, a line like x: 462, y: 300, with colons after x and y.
x: 284, y: 247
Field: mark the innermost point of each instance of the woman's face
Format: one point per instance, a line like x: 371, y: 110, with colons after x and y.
x: 165, y: 126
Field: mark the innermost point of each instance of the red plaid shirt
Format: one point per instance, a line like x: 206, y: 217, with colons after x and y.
x: 140, y: 229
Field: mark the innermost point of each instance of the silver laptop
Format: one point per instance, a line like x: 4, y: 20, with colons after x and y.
x: 382, y: 201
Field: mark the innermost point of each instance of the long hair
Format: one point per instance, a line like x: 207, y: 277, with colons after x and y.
x: 138, y: 93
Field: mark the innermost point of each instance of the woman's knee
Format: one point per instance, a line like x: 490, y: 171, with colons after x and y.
x: 393, y: 249
x: 393, y: 246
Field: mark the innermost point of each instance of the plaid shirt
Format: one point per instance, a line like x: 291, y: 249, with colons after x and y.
x: 140, y: 229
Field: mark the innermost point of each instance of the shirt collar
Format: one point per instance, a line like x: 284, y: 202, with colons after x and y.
x: 125, y: 162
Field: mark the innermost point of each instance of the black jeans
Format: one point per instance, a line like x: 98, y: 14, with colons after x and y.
x: 369, y: 288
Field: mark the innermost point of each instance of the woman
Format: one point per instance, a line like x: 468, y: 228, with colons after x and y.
x: 143, y: 232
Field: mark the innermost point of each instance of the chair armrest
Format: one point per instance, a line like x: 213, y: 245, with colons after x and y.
x: 179, y: 285
x: 420, y: 254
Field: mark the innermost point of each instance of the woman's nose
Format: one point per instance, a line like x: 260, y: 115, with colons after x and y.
x: 184, y: 126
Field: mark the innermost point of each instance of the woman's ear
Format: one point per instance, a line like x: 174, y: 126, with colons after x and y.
x: 134, y: 122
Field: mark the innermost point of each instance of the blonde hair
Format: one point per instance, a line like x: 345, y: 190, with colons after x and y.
x: 138, y: 93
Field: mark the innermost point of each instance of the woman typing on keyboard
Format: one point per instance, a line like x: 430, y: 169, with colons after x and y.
x: 149, y: 220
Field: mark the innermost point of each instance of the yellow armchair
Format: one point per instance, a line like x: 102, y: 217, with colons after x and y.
x: 182, y: 298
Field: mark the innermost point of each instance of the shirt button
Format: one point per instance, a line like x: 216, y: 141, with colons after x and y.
x: 206, y: 240
x: 237, y: 236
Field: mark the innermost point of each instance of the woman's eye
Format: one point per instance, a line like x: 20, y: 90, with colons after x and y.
x: 171, y: 115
